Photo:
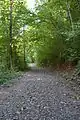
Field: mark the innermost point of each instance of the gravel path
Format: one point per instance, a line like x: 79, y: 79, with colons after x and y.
x: 39, y: 95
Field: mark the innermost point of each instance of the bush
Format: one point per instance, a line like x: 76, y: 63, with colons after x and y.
x: 6, y: 76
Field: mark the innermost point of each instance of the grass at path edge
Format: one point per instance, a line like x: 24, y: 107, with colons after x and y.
x: 7, y: 76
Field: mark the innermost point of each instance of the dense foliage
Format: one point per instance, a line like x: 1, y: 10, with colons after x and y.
x: 48, y: 35
x: 13, y: 18
x: 59, y: 32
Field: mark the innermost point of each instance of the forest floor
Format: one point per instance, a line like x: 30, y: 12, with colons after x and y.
x: 39, y: 95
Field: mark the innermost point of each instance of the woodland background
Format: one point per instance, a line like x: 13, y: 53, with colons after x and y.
x: 48, y: 35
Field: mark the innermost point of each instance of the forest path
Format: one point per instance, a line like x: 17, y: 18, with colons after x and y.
x: 39, y: 95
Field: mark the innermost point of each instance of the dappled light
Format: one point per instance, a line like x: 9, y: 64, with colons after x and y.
x: 48, y: 35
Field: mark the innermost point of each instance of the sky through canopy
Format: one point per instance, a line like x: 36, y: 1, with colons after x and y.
x: 31, y: 4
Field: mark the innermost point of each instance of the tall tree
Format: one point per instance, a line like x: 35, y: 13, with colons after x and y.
x: 11, y: 7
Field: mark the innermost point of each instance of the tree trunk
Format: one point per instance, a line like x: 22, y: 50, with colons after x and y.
x: 24, y: 56
x: 69, y: 14
x: 10, y: 45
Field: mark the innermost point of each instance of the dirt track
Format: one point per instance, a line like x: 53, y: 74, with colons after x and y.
x: 39, y: 95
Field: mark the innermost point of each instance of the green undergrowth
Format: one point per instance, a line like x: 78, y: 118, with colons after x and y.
x: 7, y: 76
